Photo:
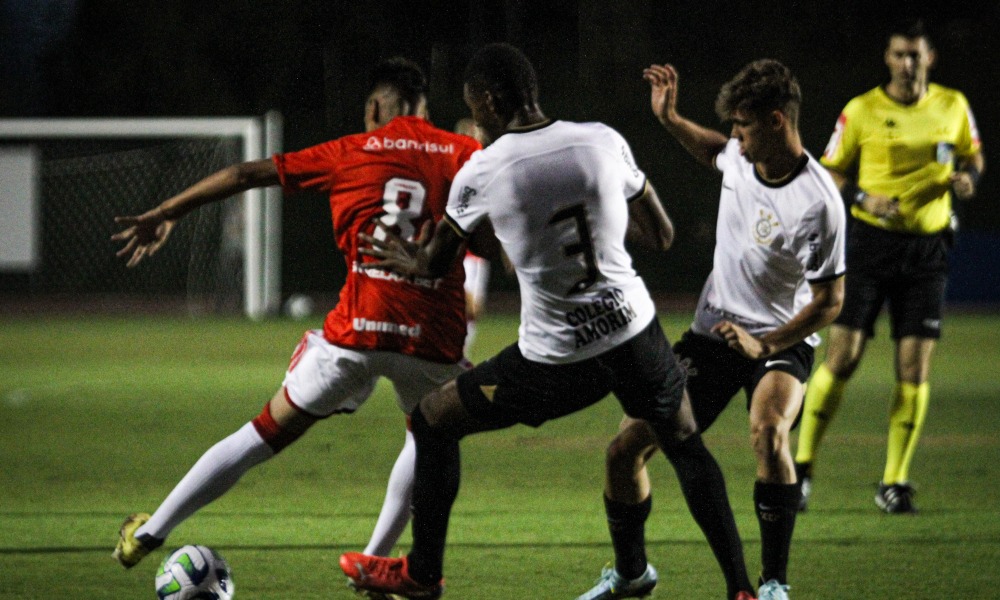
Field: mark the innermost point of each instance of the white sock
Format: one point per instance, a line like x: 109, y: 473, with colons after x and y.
x: 215, y: 472
x: 396, y: 507
x: 470, y: 337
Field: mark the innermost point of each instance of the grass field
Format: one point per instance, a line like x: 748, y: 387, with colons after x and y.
x: 99, y: 417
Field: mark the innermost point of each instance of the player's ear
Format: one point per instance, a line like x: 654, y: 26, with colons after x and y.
x: 931, y: 58
x: 372, y: 113
x: 490, y: 101
x: 776, y: 119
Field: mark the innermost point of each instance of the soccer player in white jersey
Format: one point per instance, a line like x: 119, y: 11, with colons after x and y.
x: 561, y: 197
x: 777, y: 278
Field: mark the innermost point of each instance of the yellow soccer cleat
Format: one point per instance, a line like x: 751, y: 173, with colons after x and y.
x: 130, y: 550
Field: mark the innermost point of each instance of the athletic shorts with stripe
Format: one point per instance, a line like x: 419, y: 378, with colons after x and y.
x: 908, y: 270
x: 716, y: 372
x: 641, y: 372
x: 324, y: 379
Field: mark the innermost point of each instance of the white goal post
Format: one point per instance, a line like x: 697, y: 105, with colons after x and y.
x: 258, y: 137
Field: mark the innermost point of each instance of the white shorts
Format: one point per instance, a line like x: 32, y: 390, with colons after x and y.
x: 323, y: 379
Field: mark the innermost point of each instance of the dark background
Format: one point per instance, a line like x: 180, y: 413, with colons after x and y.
x: 310, y: 59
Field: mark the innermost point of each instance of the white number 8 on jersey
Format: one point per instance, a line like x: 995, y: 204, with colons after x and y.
x: 403, y: 202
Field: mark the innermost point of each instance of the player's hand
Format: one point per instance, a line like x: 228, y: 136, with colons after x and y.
x: 393, y: 253
x: 962, y: 185
x: 882, y: 207
x: 663, y: 91
x: 740, y: 340
x: 143, y: 234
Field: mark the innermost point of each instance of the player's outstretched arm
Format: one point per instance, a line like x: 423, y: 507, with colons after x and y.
x: 429, y: 255
x: 702, y: 143
x: 144, y: 234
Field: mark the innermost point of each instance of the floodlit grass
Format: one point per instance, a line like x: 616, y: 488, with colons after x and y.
x: 99, y: 417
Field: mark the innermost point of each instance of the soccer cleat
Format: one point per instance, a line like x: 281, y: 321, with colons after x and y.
x: 385, y: 575
x: 772, y: 590
x: 803, y: 472
x: 611, y: 585
x: 896, y: 499
x: 744, y: 596
x: 130, y: 550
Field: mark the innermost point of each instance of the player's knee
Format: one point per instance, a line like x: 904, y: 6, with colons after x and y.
x: 631, y: 448
x: 274, y: 434
x: 843, y: 368
x: 623, y: 457
x: 768, y: 437
x: 683, y: 451
x: 843, y: 358
x: 441, y: 413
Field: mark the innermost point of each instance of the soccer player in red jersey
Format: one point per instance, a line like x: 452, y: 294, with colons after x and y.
x: 408, y: 330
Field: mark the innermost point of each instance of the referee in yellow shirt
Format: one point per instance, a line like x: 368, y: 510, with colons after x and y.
x: 914, y: 144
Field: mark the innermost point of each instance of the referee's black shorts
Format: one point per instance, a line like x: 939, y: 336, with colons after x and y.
x: 508, y: 388
x: 909, y: 271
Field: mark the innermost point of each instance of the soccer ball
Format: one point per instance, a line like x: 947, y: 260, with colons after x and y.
x: 194, y: 573
x: 299, y: 306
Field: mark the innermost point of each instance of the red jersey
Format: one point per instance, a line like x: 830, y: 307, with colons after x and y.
x: 400, y: 174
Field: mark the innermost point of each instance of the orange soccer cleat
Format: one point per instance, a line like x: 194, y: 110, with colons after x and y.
x: 386, y: 575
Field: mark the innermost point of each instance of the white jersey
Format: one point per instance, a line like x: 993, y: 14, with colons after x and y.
x: 557, y: 195
x: 771, y: 242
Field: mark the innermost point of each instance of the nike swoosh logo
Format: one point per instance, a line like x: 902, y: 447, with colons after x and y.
x: 771, y: 363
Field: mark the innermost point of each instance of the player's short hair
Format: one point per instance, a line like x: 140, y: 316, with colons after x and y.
x: 911, y: 29
x: 760, y: 87
x: 506, y: 73
x: 402, y: 75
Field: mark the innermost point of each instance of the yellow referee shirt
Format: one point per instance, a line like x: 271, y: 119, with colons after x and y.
x: 906, y: 152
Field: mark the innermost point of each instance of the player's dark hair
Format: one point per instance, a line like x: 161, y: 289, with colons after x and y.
x: 506, y: 73
x: 404, y: 76
x: 759, y: 88
x: 911, y: 29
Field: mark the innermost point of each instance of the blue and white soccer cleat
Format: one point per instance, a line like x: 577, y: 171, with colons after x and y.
x: 611, y: 585
x: 772, y: 590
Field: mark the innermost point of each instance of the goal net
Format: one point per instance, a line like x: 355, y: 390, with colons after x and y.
x: 223, y: 257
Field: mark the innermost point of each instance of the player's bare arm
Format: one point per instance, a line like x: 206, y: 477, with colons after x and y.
x: 648, y: 223
x: 828, y: 297
x: 427, y: 256
x: 483, y: 242
x: 965, y: 179
x: 702, y: 143
x: 145, y: 234
x: 827, y: 300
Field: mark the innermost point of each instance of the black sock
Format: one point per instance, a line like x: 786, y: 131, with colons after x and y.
x: 776, y: 505
x: 705, y: 492
x: 627, y: 524
x: 436, y: 481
